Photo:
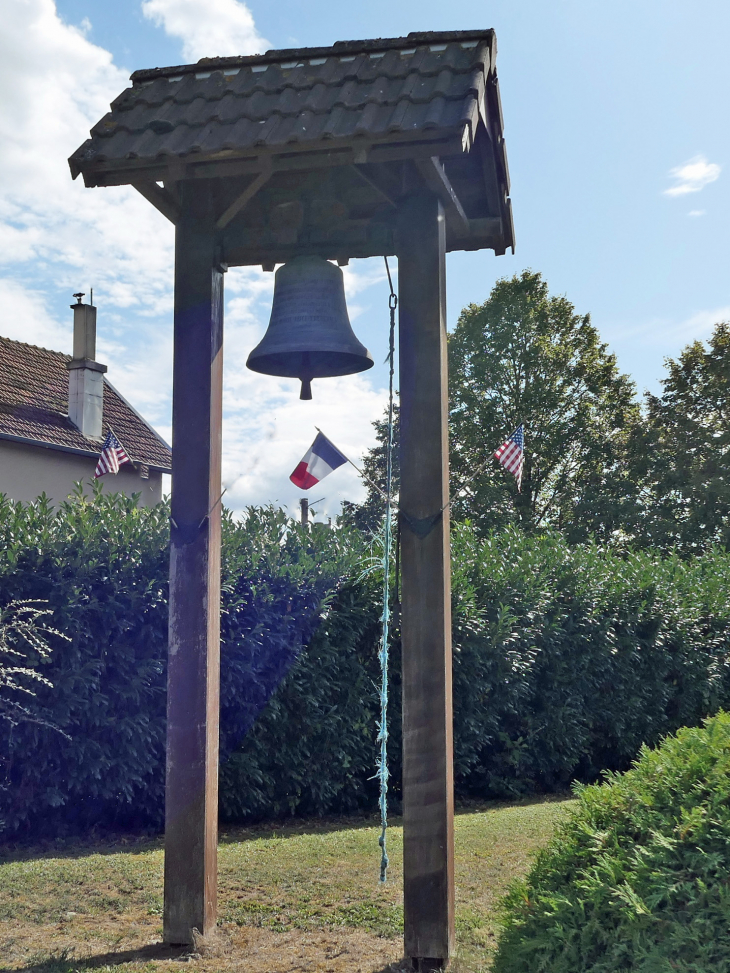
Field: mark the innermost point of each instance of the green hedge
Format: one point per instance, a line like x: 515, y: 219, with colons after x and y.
x: 312, y: 751
x: 637, y: 878
x: 566, y: 660
x: 101, y: 565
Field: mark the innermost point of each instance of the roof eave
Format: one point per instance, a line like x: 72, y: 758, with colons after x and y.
x: 75, y: 450
x: 287, y: 157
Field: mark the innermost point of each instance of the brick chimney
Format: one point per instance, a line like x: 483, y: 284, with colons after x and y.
x: 86, y: 376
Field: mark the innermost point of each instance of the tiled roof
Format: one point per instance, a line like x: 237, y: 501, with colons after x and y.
x: 377, y: 90
x: 34, y: 407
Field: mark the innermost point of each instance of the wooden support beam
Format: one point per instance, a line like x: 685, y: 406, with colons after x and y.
x: 160, y: 198
x: 304, y: 159
x: 438, y: 182
x: 485, y: 154
x: 245, y: 197
x: 193, y: 681
x: 373, y: 184
x: 428, y: 805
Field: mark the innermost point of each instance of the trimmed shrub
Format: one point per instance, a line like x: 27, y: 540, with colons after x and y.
x: 568, y: 659
x: 312, y: 750
x: 637, y: 877
x: 101, y: 567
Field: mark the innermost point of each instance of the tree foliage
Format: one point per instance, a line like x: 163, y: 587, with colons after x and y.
x: 597, y: 464
x: 525, y: 357
x: 681, y: 455
x: 368, y: 516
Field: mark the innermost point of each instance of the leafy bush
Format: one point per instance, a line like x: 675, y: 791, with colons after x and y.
x: 312, y: 750
x: 567, y: 659
x: 101, y: 565
x: 636, y: 879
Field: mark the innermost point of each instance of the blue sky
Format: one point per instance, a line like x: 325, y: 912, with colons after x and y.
x: 615, y: 121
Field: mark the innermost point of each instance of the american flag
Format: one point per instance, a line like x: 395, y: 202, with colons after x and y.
x: 111, y: 457
x: 511, y: 454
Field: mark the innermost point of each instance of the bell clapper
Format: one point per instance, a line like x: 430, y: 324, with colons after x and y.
x: 306, y: 375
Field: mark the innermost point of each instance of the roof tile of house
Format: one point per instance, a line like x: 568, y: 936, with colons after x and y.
x: 34, y: 406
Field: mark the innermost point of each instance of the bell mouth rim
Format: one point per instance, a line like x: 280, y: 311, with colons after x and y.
x: 272, y: 365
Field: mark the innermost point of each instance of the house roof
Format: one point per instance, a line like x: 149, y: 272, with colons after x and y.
x: 363, y: 104
x: 34, y: 408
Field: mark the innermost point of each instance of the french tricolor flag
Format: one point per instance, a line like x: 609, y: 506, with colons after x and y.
x: 319, y: 460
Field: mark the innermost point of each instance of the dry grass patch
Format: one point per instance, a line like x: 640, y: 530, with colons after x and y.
x: 296, y: 897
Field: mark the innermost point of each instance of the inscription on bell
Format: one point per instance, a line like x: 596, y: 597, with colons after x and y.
x: 309, y: 301
x: 309, y: 334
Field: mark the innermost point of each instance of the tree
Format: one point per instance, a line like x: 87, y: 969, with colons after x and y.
x: 682, y: 456
x: 368, y: 515
x: 526, y: 357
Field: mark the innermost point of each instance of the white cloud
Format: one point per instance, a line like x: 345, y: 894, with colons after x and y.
x: 55, y: 84
x: 642, y: 346
x: 26, y: 318
x: 669, y: 337
x: 267, y: 428
x: 692, y: 176
x: 57, y: 237
x: 699, y: 325
x: 207, y: 28
x: 697, y: 212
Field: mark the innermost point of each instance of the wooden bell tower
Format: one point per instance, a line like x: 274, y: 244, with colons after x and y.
x: 365, y: 148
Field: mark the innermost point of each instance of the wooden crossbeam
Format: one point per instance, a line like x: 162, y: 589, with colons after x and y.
x: 436, y: 179
x: 243, y: 199
x: 160, y: 198
x: 373, y: 184
x: 303, y: 158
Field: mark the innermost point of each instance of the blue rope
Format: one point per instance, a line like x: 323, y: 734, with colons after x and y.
x: 383, y: 724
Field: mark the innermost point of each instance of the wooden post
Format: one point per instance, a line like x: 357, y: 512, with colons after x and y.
x: 193, y: 684
x: 428, y: 805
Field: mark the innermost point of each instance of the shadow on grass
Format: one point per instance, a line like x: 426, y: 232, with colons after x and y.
x: 114, y: 844
x: 293, y: 827
x: 65, y: 962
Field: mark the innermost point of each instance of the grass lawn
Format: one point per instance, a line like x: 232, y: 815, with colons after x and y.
x: 301, y: 896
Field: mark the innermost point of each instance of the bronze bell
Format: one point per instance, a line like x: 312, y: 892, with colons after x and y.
x: 309, y: 334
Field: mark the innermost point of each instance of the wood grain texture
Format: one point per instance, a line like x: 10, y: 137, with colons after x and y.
x: 191, y: 798
x: 160, y: 198
x: 428, y: 812
x: 438, y: 182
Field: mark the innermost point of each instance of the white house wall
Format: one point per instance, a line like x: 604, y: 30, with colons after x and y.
x: 28, y: 471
